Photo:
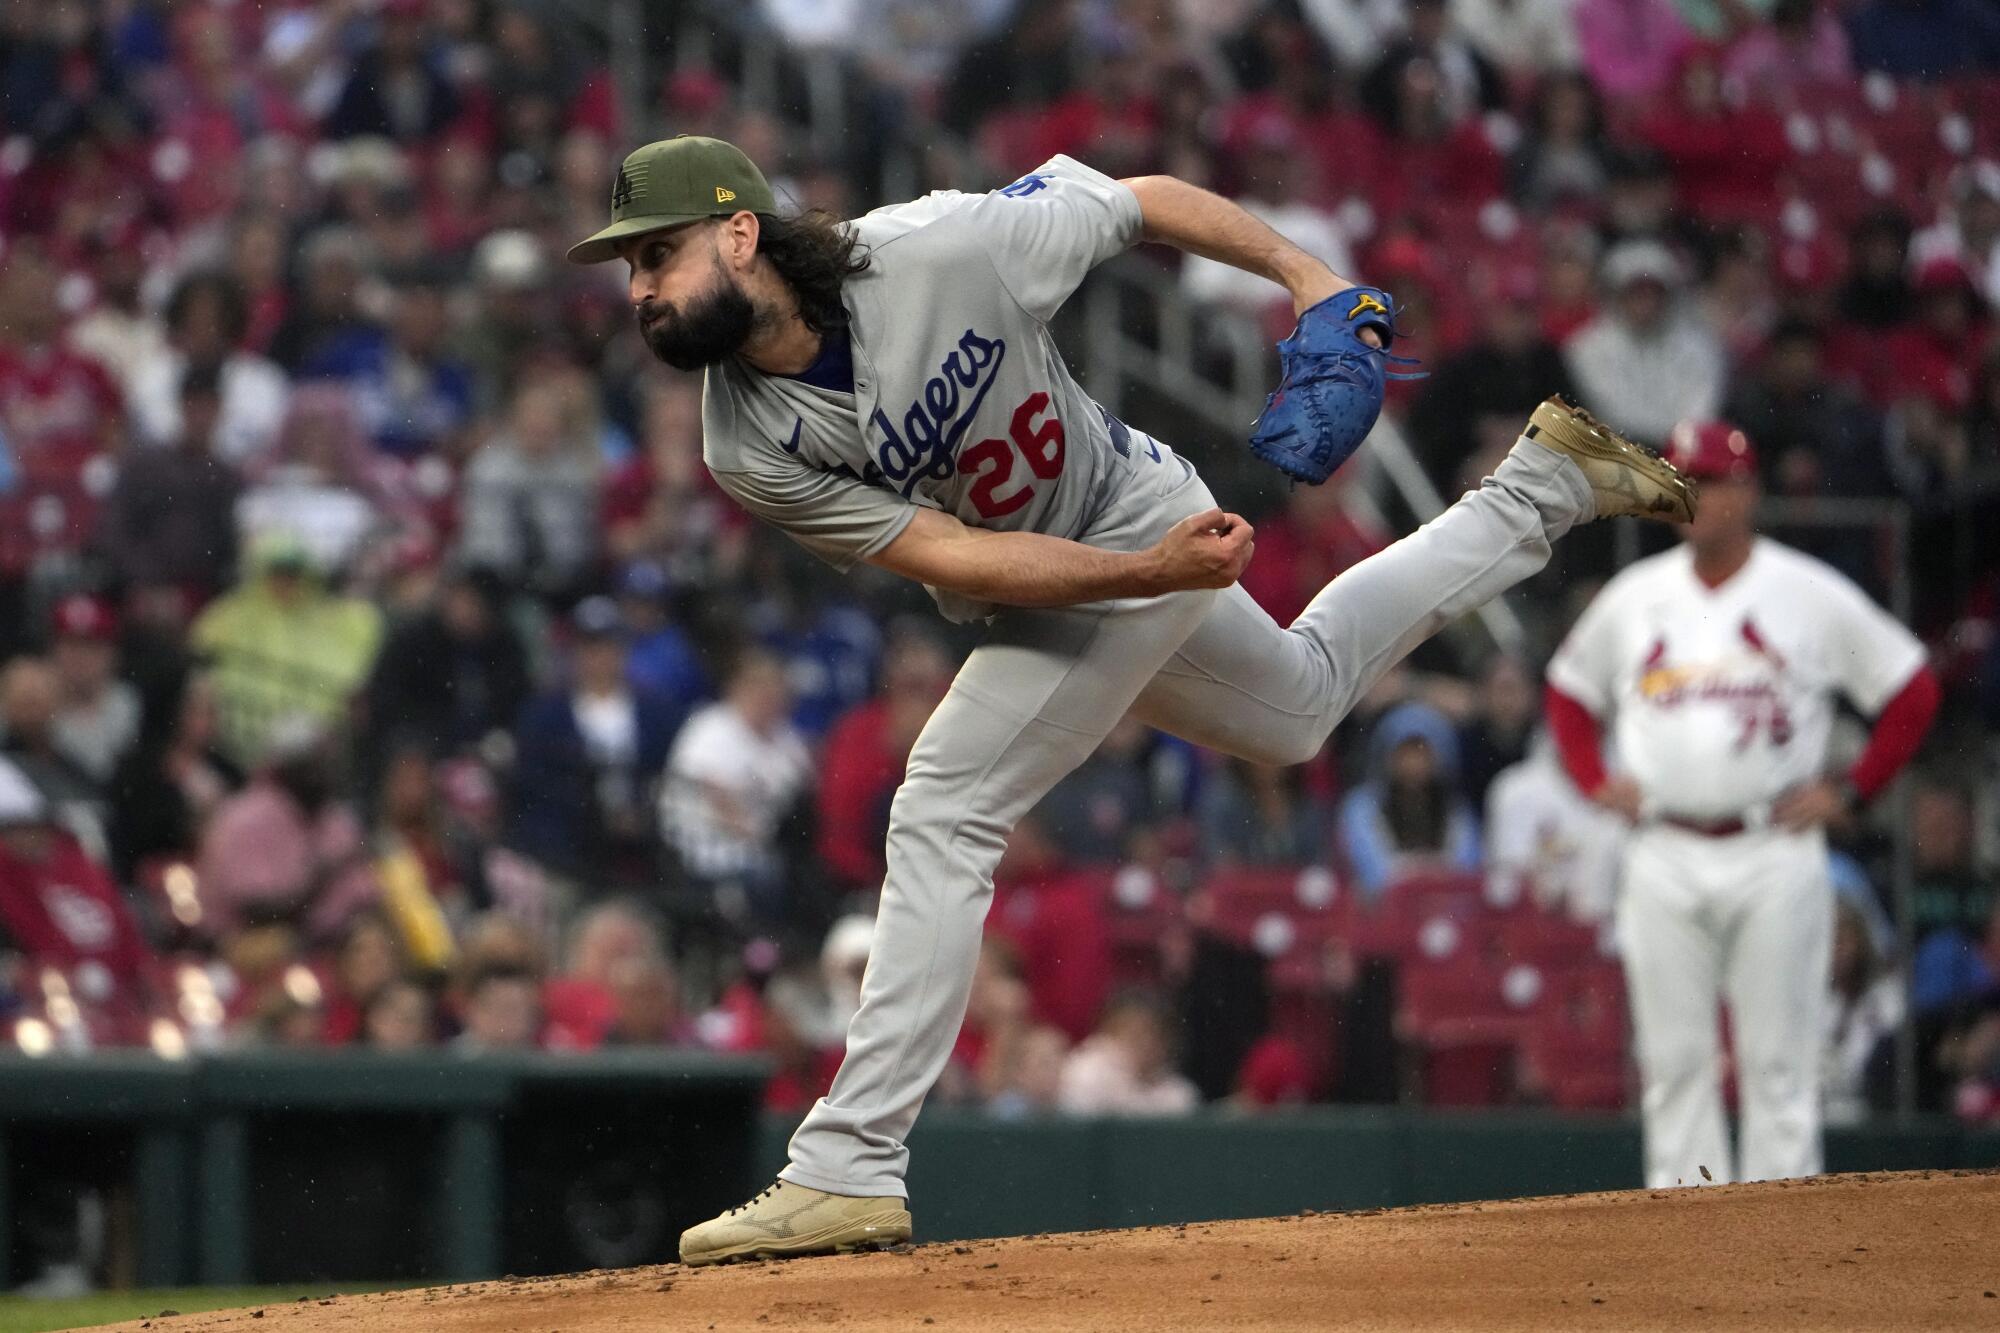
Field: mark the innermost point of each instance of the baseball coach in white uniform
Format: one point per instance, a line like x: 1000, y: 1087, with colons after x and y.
x: 1715, y: 665
x: 888, y: 391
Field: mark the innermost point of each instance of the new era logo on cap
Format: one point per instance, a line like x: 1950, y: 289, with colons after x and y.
x: 676, y: 181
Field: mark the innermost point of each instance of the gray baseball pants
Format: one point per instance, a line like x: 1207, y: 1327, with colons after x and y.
x: 1033, y: 701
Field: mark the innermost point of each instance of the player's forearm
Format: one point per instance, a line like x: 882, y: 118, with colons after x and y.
x: 1203, y: 223
x: 1898, y: 732
x: 1024, y: 568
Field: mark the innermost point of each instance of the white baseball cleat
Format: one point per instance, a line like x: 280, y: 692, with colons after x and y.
x: 1626, y: 478
x: 787, y: 1220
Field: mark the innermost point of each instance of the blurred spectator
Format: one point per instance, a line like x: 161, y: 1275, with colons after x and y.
x: 1632, y: 48
x: 1274, y: 193
x: 454, y: 676
x: 1813, y: 435
x: 396, y: 87
x: 1053, y: 919
x: 1032, y: 59
x: 1103, y: 810
x: 401, y: 1016
x: 1473, y: 407
x: 1646, y: 362
x: 1408, y: 814
x: 420, y: 868
x: 828, y: 645
x: 590, y: 752
x: 1925, y: 39
x: 1021, y: 1075
x: 1867, y: 997
x: 1549, y: 844
x: 862, y: 760
x: 1275, y: 1074
x: 170, y: 782
x: 1560, y: 160
x: 647, y: 1006
x: 1935, y: 357
x: 529, y: 504
x: 58, y: 908
x: 1520, y: 38
x: 1442, y: 151
x: 661, y: 656
x: 283, y: 645
x: 609, y: 941
x: 1951, y: 888
x: 97, y: 719
x: 1321, y: 532
x: 120, y: 331
x: 502, y: 1012
x: 1802, y: 49
x: 31, y: 697
x: 368, y: 962
x: 1357, y: 31
x: 1125, y: 1066
x: 286, y: 848
x: 1969, y: 230
x: 1466, y: 81
x: 207, y: 321
x: 313, y: 486
x: 737, y: 770
x: 1261, y: 814
x: 412, y: 396
x: 57, y: 408
x: 1877, y: 294
x: 171, y: 518
x: 1725, y: 157
x: 334, y: 269
x: 1496, y: 736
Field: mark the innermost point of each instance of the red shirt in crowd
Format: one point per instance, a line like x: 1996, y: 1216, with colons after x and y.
x: 1055, y: 921
x: 61, y: 909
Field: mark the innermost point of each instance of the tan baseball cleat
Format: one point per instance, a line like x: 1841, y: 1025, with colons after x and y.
x: 788, y: 1220
x: 1626, y: 479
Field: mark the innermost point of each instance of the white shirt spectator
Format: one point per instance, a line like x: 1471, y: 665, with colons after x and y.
x: 1546, y: 838
x: 254, y: 394
x: 1531, y: 35
x: 727, y: 787
x: 1646, y: 382
x: 1098, y: 1079
x: 1357, y: 30
x: 329, y: 520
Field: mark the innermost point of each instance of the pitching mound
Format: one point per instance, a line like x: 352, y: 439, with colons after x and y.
x: 1908, y: 1251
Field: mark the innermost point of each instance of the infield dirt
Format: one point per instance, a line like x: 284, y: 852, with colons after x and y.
x: 1916, y: 1250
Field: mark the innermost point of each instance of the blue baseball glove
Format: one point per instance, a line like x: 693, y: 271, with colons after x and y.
x: 1330, y: 391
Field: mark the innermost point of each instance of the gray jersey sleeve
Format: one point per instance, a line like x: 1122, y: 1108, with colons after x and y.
x: 839, y: 519
x: 1047, y: 230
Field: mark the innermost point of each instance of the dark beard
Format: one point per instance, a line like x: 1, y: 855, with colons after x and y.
x: 713, y: 326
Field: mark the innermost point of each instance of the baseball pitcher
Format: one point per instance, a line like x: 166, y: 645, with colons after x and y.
x: 888, y: 391
x: 1716, y: 664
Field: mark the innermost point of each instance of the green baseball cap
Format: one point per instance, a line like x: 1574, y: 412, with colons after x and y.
x: 683, y: 179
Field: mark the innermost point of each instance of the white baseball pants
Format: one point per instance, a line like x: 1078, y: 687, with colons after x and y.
x: 1746, y: 920
x: 1033, y: 701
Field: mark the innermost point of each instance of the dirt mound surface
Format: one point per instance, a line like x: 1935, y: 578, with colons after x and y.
x: 1912, y: 1250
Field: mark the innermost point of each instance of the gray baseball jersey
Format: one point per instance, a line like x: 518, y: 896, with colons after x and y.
x: 961, y: 401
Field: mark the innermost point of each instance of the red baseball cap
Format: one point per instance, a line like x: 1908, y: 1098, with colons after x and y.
x: 1711, y: 450
x: 84, y: 617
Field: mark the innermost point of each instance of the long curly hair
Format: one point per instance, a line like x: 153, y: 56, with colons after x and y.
x: 814, y: 252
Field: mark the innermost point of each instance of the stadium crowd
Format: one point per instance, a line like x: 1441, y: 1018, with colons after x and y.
x: 382, y: 669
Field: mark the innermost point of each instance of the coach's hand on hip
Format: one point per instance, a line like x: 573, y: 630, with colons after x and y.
x: 1206, y: 550
x: 1810, y: 805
